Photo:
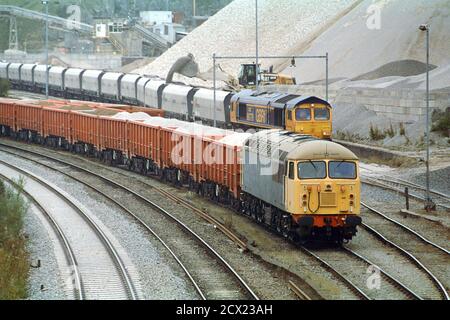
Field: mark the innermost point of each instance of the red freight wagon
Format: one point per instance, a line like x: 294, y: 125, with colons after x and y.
x: 144, y: 141
x: 7, y: 113
x: 220, y: 164
x: 28, y: 117
x: 56, y: 122
x: 84, y: 128
x: 112, y: 134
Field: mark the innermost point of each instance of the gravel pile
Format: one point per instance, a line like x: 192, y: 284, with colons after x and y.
x: 357, y: 44
x: 283, y: 24
x: 402, y: 68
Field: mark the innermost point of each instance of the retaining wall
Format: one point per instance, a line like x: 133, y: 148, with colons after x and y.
x: 396, y: 104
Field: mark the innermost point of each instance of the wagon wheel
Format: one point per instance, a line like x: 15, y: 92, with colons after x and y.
x: 286, y: 226
x: 260, y: 217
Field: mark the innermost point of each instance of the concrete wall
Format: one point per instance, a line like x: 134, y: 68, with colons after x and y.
x: 398, y: 104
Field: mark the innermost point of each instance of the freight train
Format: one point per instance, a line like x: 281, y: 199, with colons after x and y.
x: 246, y: 109
x: 299, y: 186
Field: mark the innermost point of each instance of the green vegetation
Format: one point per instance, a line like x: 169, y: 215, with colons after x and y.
x: 402, y: 129
x: 347, y: 136
x: 14, y: 263
x: 4, y: 88
x: 395, y: 162
x: 375, y: 133
x: 390, y: 131
x: 441, y: 122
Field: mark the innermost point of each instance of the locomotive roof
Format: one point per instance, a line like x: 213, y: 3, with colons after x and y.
x: 286, y: 145
x: 276, y: 99
x: 321, y: 149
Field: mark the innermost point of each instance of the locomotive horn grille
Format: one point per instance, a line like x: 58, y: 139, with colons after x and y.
x: 328, y: 199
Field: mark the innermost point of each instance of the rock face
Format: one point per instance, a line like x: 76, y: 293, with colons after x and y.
x: 283, y: 25
x: 380, y: 32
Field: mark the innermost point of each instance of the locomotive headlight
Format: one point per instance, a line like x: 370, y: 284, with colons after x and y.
x: 305, y: 197
x: 352, y: 196
x: 351, y: 203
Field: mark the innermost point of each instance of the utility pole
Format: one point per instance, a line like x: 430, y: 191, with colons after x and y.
x: 257, y: 47
x: 214, y: 88
x: 429, y: 204
x: 45, y: 3
x: 194, y: 8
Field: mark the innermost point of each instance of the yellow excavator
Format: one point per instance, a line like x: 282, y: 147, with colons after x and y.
x: 247, y: 76
x: 187, y: 66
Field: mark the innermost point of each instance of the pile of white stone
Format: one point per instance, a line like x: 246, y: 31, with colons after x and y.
x: 284, y: 25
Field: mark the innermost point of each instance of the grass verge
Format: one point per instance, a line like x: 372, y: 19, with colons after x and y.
x: 4, y: 88
x: 14, y: 262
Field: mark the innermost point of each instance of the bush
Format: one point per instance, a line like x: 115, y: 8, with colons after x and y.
x: 375, y: 133
x: 402, y: 129
x: 441, y: 121
x: 4, y: 88
x: 390, y: 131
x: 14, y: 265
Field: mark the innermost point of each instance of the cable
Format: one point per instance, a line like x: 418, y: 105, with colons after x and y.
x: 309, y: 202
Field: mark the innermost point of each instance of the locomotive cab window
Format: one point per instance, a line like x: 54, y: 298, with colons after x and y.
x: 302, y: 114
x: 312, y: 170
x: 321, y: 114
x: 289, y: 115
x: 291, y: 171
x: 342, y: 170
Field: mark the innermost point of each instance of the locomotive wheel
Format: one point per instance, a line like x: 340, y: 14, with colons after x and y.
x: 285, y: 226
x: 260, y: 217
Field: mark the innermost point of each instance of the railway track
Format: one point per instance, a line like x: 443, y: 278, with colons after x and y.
x: 416, y: 192
x: 351, y: 268
x: 72, y: 265
x: 351, y: 287
x: 211, y: 278
x: 99, y: 276
x: 395, y: 284
x: 427, y: 256
x: 298, y: 292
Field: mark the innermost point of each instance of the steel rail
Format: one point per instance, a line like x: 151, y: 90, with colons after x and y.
x: 152, y: 204
x: 347, y: 282
x: 394, y: 281
x: 145, y: 225
x: 415, y: 233
x: 298, y: 292
x: 70, y: 256
x: 411, y: 257
x: 113, y: 253
x: 383, y: 185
